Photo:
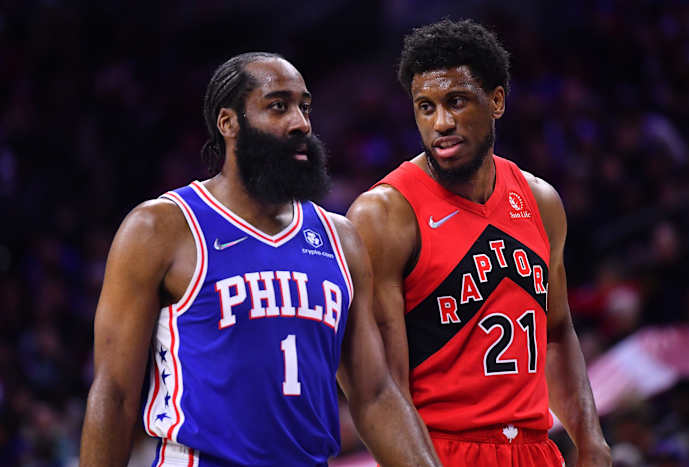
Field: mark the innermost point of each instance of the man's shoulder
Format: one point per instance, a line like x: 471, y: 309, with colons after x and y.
x: 154, y: 213
x: 156, y: 220
x: 149, y: 238
x: 386, y: 221
x: 549, y: 205
x: 383, y: 210
x: 543, y: 191
x: 382, y: 196
x: 383, y: 193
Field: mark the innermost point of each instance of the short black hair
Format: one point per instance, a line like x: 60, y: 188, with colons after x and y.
x: 228, y: 88
x: 449, y: 44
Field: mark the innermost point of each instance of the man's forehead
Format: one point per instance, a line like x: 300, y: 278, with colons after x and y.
x: 443, y: 79
x: 275, y: 73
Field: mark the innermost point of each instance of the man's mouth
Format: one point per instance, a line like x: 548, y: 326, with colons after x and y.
x: 302, y: 152
x: 447, y: 146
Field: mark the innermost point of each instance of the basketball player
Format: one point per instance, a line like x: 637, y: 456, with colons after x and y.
x: 469, y: 281
x: 246, y: 300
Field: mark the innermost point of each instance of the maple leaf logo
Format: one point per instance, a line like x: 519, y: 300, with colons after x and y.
x: 510, y: 432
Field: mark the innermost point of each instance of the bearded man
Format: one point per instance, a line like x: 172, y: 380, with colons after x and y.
x: 246, y: 301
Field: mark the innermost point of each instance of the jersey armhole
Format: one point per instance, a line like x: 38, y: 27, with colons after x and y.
x: 534, y: 205
x: 336, y: 245
x: 201, y: 266
x: 422, y: 250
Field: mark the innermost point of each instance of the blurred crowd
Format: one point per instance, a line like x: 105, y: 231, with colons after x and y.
x: 101, y: 109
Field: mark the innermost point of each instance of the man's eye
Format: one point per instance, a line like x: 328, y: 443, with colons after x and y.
x: 281, y: 106
x: 457, y: 101
x: 306, y: 108
x: 425, y: 107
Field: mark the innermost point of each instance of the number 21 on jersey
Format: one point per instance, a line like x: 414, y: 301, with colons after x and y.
x: 492, y: 363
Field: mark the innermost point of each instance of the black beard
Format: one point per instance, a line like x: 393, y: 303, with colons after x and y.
x: 269, y: 171
x: 463, y: 173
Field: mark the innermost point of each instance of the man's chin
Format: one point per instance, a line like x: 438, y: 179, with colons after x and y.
x: 448, y: 163
x: 453, y: 169
x: 454, y: 162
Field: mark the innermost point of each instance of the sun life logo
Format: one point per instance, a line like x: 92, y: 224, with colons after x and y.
x: 516, y: 201
x: 517, y: 204
x: 313, y: 238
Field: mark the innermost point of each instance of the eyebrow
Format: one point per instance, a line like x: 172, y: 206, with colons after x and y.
x: 459, y: 88
x: 286, y: 95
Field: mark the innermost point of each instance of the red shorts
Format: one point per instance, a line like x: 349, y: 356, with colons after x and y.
x: 501, y: 446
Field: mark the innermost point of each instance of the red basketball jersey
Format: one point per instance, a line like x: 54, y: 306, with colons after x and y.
x: 476, y: 304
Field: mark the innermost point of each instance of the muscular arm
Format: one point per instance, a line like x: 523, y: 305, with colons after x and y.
x: 387, y: 226
x: 568, y: 385
x: 125, y: 316
x: 385, y: 419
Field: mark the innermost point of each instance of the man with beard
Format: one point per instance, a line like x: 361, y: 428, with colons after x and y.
x: 247, y: 301
x: 469, y: 281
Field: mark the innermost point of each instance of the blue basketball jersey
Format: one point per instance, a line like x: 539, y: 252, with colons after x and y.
x: 242, y: 368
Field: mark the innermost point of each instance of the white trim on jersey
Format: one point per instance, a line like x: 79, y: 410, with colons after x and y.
x: 201, y: 268
x: 176, y: 455
x: 153, y: 388
x: 336, y: 245
x: 276, y: 240
x: 158, y: 392
x: 178, y: 388
x: 167, y: 340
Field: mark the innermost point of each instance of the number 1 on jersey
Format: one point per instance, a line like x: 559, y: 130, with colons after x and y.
x: 291, y: 386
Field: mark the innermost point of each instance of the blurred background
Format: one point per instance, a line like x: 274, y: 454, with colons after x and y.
x: 101, y: 108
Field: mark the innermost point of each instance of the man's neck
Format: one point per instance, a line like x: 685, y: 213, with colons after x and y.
x: 477, y: 189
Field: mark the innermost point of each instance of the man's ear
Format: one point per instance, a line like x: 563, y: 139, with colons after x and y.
x: 228, y: 123
x: 497, y: 101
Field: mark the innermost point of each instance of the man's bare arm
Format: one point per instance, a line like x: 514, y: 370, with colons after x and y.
x: 128, y: 306
x: 387, y: 422
x: 387, y: 225
x: 568, y: 385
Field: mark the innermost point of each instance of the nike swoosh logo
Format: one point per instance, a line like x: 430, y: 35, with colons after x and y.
x: 435, y: 224
x: 221, y: 246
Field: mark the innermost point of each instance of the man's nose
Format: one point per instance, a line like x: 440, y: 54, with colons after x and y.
x: 299, y: 122
x: 444, y: 121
